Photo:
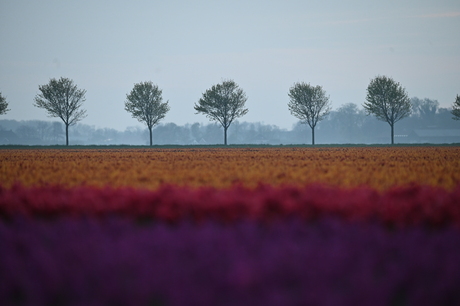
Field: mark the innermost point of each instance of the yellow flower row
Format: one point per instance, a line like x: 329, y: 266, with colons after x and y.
x: 377, y: 167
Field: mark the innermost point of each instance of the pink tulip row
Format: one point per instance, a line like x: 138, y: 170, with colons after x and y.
x: 400, y: 206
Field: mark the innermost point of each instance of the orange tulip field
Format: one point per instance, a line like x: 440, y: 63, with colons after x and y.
x: 376, y: 167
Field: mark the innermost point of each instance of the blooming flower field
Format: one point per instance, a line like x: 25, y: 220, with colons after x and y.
x: 265, y: 226
x: 378, y: 168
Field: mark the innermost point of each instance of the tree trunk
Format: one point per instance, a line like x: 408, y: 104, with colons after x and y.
x: 66, y: 134
x: 150, y: 130
x: 225, y: 136
x: 313, y: 135
x: 392, y: 133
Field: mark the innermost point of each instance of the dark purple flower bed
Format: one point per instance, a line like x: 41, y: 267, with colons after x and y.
x: 115, y: 261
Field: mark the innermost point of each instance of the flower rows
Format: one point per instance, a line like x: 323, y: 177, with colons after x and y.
x: 409, y: 205
x: 265, y: 226
x: 329, y: 262
x: 379, y: 168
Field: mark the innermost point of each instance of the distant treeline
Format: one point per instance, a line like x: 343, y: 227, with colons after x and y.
x: 347, y: 124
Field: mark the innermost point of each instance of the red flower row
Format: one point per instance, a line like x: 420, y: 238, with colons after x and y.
x: 405, y: 205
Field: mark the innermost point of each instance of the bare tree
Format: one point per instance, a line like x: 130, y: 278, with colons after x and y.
x: 223, y: 103
x: 61, y: 98
x: 3, y: 105
x: 309, y: 103
x: 145, y: 104
x: 456, y: 108
x: 388, y: 101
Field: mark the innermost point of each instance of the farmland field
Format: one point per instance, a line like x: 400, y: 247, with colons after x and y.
x: 375, y: 167
x: 230, y: 226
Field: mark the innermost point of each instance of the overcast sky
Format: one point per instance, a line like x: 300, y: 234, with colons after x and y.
x: 186, y: 46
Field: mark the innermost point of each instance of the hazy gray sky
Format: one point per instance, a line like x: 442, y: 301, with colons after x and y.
x: 185, y: 47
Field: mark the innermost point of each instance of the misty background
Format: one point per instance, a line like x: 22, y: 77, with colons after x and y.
x: 185, y: 47
x: 429, y: 123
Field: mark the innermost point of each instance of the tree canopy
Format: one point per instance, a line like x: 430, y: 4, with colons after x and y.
x: 3, y: 105
x: 144, y: 102
x: 388, y: 101
x: 223, y: 103
x: 456, y: 108
x: 309, y: 104
x: 424, y: 108
x: 62, y: 98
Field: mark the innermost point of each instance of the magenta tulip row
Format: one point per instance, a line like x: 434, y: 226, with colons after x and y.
x: 400, y: 206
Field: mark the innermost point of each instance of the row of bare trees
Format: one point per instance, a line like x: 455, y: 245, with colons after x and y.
x: 386, y: 99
